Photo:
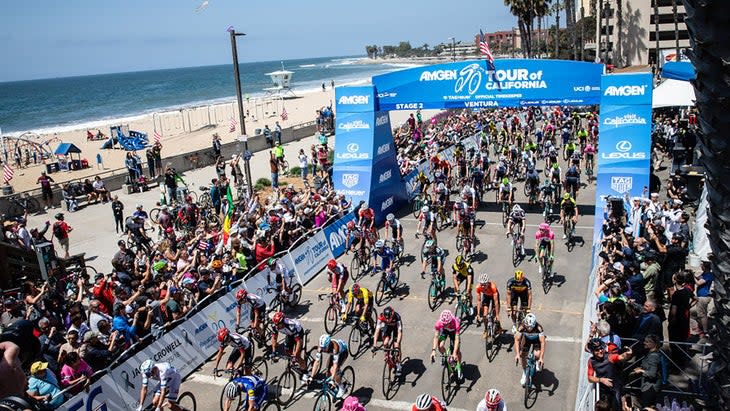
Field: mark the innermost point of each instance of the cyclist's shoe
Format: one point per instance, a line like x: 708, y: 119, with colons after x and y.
x: 305, y: 378
x: 564, y: 236
x: 484, y: 335
x: 341, y: 391
x: 398, y: 370
x: 539, y: 270
x: 523, y: 379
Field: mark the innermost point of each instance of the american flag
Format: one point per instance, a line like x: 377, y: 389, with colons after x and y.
x: 484, y: 48
x: 157, y: 136
x: 284, y: 114
x: 7, y: 173
x: 232, y: 128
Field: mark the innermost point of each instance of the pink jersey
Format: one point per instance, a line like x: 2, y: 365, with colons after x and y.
x: 540, y: 235
x: 454, y: 326
x: 589, y: 149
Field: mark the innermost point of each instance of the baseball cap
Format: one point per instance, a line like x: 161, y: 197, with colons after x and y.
x: 38, y: 366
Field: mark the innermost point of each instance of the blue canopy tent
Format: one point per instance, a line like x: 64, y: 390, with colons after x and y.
x: 64, y: 153
x: 679, y: 70
x: 676, y: 90
x: 65, y: 149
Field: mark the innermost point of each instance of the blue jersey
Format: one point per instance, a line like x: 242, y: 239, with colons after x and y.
x: 252, y: 388
x: 387, y: 255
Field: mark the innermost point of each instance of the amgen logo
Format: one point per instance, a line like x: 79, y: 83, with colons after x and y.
x: 387, y: 203
x: 624, y: 91
x: 354, y: 100
x: 382, y: 120
x: 438, y: 75
x: 385, y: 177
x: 384, y: 148
x: 337, y: 237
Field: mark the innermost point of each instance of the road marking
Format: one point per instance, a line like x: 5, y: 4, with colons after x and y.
x: 582, y: 227
x: 208, y: 379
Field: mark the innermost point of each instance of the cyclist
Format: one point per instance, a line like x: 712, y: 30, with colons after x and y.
x: 461, y: 271
x: 477, y: 180
x: 492, y: 402
x: 555, y: 173
x: 570, y: 148
x: 394, y: 228
x: 530, y: 334
x: 366, y: 218
x: 506, y: 191
x: 500, y: 170
x: 517, y: 217
x: 338, y: 275
x: 532, y: 179
x: 448, y: 327
x: 294, y: 343
x: 363, y: 304
x: 424, y: 182
x: 442, y: 194
x: 355, y: 237
x: 351, y: 403
x: 281, y: 276
x: 469, y: 195
x: 252, y: 389
x: 547, y: 193
x: 466, y: 220
x: 428, y: 219
x: 568, y: 209
x: 572, y: 179
x: 545, y: 242
x: 427, y: 402
x: 337, y: 349
x: 582, y: 136
x: 390, y: 329
x: 518, y: 288
x: 242, y: 349
x: 257, y: 312
x: 488, y: 297
x: 169, y: 387
x: 434, y: 256
x: 387, y: 257
x: 590, y: 152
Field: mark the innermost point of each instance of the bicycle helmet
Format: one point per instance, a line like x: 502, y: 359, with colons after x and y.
x: 530, y: 320
x: 388, y: 312
x: 351, y: 225
x: 351, y: 403
x: 423, y: 402
x: 544, y: 226
x: 430, y: 243
x: 216, y: 264
x: 231, y: 390
x: 595, y: 344
x: 222, y: 335
x: 390, y: 217
x: 555, y: 166
x: 241, y: 294
x: 324, y: 340
x: 379, y: 244
x: 566, y: 196
x: 446, y: 317
x: 424, y: 209
x: 331, y: 264
x: 484, y: 278
x: 505, y: 181
x: 364, y: 206
x: 492, y: 398
x: 355, y: 288
x: 278, y: 317
x: 516, y: 208
x: 519, y: 275
x: 271, y: 262
x: 459, y: 260
x: 146, y: 367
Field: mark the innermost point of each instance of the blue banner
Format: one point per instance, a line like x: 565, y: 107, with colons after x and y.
x: 470, y: 84
x: 336, y: 233
x: 355, y: 100
x: 625, y: 136
x: 353, y: 182
x: 354, y: 145
x: 626, y: 89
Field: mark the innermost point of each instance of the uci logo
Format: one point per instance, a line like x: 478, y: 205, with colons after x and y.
x: 623, y: 146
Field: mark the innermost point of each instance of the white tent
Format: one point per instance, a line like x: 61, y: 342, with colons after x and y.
x: 673, y: 93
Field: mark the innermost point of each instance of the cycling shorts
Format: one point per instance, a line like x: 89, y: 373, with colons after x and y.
x: 336, y: 279
x: 485, y: 299
x: 291, y: 341
x: 450, y: 335
x: 390, y: 331
x: 247, y: 355
x: 262, y: 313
x: 535, y: 343
x: 521, y: 295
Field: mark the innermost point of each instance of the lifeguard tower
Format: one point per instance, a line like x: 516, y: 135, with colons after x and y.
x: 281, y: 80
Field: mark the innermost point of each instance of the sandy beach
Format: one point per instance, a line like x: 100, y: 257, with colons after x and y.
x: 176, y: 138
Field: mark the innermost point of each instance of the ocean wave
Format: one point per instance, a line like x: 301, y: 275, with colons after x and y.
x: 307, y: 65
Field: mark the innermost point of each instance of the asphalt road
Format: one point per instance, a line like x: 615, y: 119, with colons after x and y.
x: 560, y: 312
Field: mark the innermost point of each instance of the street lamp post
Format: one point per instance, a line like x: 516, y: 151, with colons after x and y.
x: 453, y: 48
x: 239, y: 97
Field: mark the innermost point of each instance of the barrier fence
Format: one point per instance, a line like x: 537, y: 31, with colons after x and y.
x: 192, y: 340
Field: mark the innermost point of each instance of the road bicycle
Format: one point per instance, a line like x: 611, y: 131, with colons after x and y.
x: 387, y: 285
x: 589, y: 168
x: 332, y: 313
x: 491, y: 346
x: 442, y: 217
x: 398, y: 248
x: 205, y: 200
x: 518, y: 242
x: 391, y: 382
x: 436, y: 289
x: 463, y: 309
x: 283, y: 165
x: 254, y: 335
x: 327, y: 395
x: 465, y: 243
x: 530, y: 369
x: 259, y: 369
x: 547, y: 207
x: 569, y: 232
x: 449, y: 379
x: 418, y: 202
x: 546, y: 268
x: 506, y: 207
x: 360, y: 263
x: 283, y: 300
x: 361, y: 335
x: 292, y: 373
x: 186, y: 402
x: 426, y: 236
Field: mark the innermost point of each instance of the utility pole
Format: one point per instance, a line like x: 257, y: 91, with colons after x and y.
x: 239, y: 97
x: 582, y: 33
x: 676, y: 29
x: 453, y: 48
x: 656, y: 33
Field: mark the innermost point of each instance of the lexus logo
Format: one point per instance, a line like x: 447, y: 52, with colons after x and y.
x: 623, y: 146
x: 354, y: 147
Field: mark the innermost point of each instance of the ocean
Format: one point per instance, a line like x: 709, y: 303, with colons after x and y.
x: 61, y: 104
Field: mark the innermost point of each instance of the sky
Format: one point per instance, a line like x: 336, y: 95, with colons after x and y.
x: 49, y: 38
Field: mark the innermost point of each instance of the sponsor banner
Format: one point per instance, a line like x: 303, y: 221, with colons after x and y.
x: 104, y: 394
x: 626, y: 89
x: 263, y: 284
x: 625, y: 136
x: 469, y: 84
x: 310, y: 257
x: 618, y: 182
x: 353, y: 182
x: 336, y: 234
x: 412, y: 186
x: 354, y: 143
x: 355, y: 99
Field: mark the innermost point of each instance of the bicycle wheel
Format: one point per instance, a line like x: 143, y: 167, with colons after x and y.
x: 348, y: 380
x: 331, y: 317
x: 432, y: 296
x: 186, y: 401
x: 295, y: 295
x: 459, y: 243
x: 505, y: 216
x: 396, y: 278
x: 276, y: 304
x: 446, y: 384
x: 285, y: 167
x: 155, y: 215
x: 515, y: 254
x: 271, y: 406
x: 416, y: 206
x: 546, y: 281
x: 355, y: 267
x: 322, y: 402
x: 205, y: 200
x: 261, y: 369
x: 287, y: 386
x: 388, y: 379
x: 528, y: 386
x: 355, y: 340
x: 380, y: 291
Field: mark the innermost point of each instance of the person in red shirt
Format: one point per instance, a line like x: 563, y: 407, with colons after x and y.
x: 602, y: 369
x: 60, y: 232
x: 103, y: 291
x: 264, y: 250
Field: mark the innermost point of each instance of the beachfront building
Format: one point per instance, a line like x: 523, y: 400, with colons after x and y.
x: 506, y: 43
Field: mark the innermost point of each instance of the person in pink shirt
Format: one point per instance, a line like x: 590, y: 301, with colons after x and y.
x: 545, y: 240
x: 448, y: 327
x: 76, y: 372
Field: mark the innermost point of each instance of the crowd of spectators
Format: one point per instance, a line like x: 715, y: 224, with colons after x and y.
x: 647, y: 295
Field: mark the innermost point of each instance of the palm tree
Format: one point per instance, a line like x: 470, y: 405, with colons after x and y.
x: 542, y: 8
x: 676, y: 29
x: 709, y: 36
x: 519, y: 9
x: 619, y: 33
x: 556, y: 9
x: 569, y: 7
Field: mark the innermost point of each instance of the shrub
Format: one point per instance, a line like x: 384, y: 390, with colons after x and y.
x: 262, y: 183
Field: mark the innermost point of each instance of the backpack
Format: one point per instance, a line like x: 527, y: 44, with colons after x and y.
x: 58, y: 231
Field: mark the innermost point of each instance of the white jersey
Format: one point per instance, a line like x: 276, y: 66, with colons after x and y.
x: 166, y: 373
x: 482, y: 406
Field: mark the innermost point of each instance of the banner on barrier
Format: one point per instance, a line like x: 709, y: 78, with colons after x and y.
x: 336, y: 234
x: 311, y: 256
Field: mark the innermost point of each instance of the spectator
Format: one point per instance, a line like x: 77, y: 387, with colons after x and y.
x: 150, y: 163
x: 236, y: 172
x: 131, y: 164
x: 72, y: 344
x: 75, y: 372
x: 602, y: 369
x: 650, y: 371
x: 171, y: 179
x: 704, y: 297
x: 157, y: 153
x: 650, y: 269
x: 303, y: 165
x: 120, y: 323
x: 51, y: 341
x: 97, y: 354
x: 274, y: 165
x: 220, y: 167
x: 60, y: 231
x: 96, y: 315
x: 100, y: 189
x: 46, y: 189
x: 39, y: 237
x: 277, y: 132
x: 89, y: 191
x: 24, y: 235
x: 267, y: 136
x: 648, y: 322
x: 118, y: 212
x: 69, y: 198
x: 678, y: 321
x: 216, y: 145
x: 43, y: 385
